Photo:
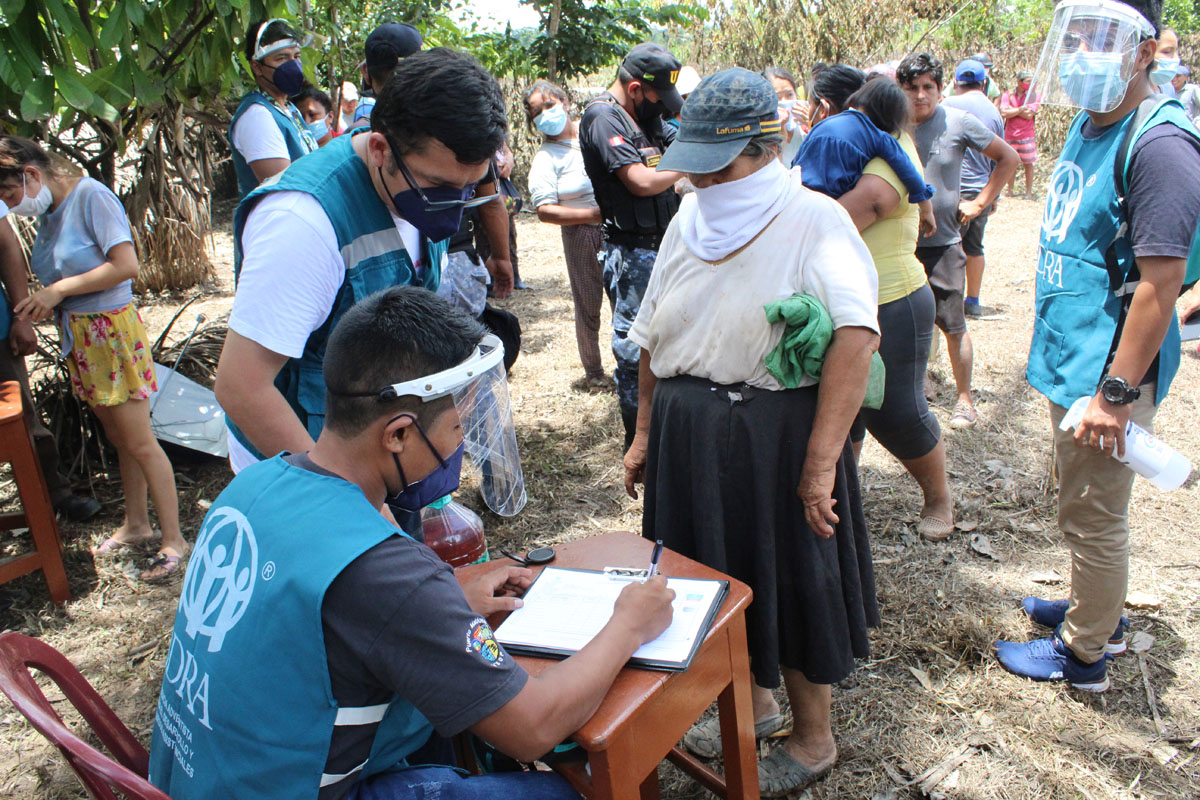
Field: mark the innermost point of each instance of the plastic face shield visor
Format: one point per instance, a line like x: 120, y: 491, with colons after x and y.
x: 1089, y: 55
x: 261, y: 50
x: 479, y: 389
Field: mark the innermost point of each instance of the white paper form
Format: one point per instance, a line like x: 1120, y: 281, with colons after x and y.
x: 565, y: 609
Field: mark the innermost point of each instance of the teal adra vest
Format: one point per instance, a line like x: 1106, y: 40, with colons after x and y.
x: 246, y: 708
x: 1078, y: 315
x: 372, y: 251
x: 295, y: 134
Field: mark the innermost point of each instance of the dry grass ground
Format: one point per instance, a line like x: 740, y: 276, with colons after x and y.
x: 931, y: 690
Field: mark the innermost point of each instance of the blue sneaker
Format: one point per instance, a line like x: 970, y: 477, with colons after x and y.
x: 1051, y: 660
x: 1051, y: 613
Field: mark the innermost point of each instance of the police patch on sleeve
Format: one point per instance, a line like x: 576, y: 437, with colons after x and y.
x: 482, y: 642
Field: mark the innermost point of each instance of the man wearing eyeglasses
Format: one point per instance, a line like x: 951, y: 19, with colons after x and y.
x: 364, y: 213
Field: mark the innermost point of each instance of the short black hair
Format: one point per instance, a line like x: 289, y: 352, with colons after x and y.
x: 379, y: 76
x: 970, y: 86
x: 277, y: 30
x: 392, y: 336
x: 311, y: 92
x: 915, y: 65
x: 780, y: 73
x: 1151, y: 10
x: 884, y: 103
x: 835, y: 83
x: 445, y: 95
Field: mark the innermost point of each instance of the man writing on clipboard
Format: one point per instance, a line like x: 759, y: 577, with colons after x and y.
x: 317, y: 647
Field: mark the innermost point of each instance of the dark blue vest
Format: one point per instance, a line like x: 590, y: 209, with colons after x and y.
x: 295, y: 134
x: 371, y: 248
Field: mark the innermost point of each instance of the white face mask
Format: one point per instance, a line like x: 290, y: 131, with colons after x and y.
x: 32, y: 206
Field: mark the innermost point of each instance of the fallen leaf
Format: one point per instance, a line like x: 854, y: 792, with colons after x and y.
x: 1141, y: 641
x: 983, y: 545
x: 1033, y: 526
x: 922, y: 678
x: 1048, y: 576
x: 967, y: 525
x: 1143, y: 601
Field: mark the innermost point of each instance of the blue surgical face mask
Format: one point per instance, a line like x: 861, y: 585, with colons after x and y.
x: 552, y: 120
x: 435, y: 211
x: 318, y: 129
x: 1164, y: 70
x: 288, y: 77
x: 1093, y: 80
x: 443, y: 480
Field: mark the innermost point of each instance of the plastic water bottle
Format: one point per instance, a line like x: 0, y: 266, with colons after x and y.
x: 1145, y: 453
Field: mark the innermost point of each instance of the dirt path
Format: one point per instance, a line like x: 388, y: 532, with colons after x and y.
x: 930, y: 688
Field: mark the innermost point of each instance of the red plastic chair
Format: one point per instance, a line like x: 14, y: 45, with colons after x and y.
x: 99, y: 773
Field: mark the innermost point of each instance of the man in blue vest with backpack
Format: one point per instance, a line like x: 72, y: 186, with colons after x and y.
x: 1115, y: 252
x: 317, y: 648
x: 364, y: 213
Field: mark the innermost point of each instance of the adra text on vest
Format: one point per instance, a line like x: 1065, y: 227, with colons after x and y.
x: 181, y: 675
x: 174, y: 733
x: 1050, y: 267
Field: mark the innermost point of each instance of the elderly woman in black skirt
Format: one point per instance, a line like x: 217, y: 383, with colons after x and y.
x: 742, y: 474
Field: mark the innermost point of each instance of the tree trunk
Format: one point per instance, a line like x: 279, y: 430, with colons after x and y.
x: 552, y: 32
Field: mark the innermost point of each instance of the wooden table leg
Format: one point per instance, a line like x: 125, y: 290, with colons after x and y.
x: 736, y: 711
x: 610, y: 775
x: 650, y: 786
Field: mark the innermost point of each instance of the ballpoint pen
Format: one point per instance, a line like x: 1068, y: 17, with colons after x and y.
x: 653, y: 570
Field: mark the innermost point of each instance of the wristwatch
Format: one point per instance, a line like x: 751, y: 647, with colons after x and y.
x: 1118, y: 391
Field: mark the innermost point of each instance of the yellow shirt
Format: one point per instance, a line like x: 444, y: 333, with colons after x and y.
x: 893, y: 239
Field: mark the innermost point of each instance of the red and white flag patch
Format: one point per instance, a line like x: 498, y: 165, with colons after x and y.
x: 616, y: 141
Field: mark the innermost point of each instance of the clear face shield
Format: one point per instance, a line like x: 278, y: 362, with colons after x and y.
x: 479, y: 389
x: 1089, y: 56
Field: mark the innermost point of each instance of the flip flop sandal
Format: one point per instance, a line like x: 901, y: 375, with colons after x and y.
x: 704, y: 738
x: 933, y: 529
x: 114, y: 548
x: 779, y: 774
x: 170, y: 566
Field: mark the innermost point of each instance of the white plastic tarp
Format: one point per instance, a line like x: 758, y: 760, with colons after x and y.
x: 185, y: 413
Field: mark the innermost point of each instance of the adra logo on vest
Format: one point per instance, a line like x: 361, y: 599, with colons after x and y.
x: 1063, y: 197
x: 220, y: 578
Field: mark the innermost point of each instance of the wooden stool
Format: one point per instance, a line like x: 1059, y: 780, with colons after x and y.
x: 16, y: 448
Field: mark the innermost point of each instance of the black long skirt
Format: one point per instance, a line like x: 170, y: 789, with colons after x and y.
x: 721, y: 476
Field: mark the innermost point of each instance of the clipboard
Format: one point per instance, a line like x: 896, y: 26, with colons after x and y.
x: 565, y: 608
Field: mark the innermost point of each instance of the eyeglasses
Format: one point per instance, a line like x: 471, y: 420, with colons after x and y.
x: 435, y: 205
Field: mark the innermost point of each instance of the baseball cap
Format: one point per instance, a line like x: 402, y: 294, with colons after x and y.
x: 1025, y: 75
x: 970, y: 71
x: 1183, y: 70
x: 654, y: 66
x: 722, y: 113
x: 982, y: 58
x: 389, y: 43
x: 349, y: 91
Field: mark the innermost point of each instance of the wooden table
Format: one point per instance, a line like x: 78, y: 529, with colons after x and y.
x: 646, y: 713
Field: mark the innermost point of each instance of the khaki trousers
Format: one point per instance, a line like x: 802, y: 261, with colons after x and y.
x: 1093, y: 515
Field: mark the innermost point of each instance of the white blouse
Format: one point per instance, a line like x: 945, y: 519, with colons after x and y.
x: 706, y: 318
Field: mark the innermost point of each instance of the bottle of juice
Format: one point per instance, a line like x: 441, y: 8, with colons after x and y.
x: 454, y: 532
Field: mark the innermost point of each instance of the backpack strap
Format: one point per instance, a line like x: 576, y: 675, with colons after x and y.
x: 1144, y: 119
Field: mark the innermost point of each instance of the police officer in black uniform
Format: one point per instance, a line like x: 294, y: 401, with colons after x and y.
x: 622, y: 138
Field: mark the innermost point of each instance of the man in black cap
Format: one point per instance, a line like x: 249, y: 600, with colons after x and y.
x: 385, y: 46
x: 622, y: 137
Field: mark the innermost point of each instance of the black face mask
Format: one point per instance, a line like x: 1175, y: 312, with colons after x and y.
x: 648, y: 112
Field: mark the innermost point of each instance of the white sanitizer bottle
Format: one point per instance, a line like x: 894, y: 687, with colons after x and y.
x: 1145, y: 453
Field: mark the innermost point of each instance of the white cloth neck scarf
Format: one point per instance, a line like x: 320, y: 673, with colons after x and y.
x: 728, y: 215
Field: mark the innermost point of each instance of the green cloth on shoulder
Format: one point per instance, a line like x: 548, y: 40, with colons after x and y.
x: 807, y: 332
